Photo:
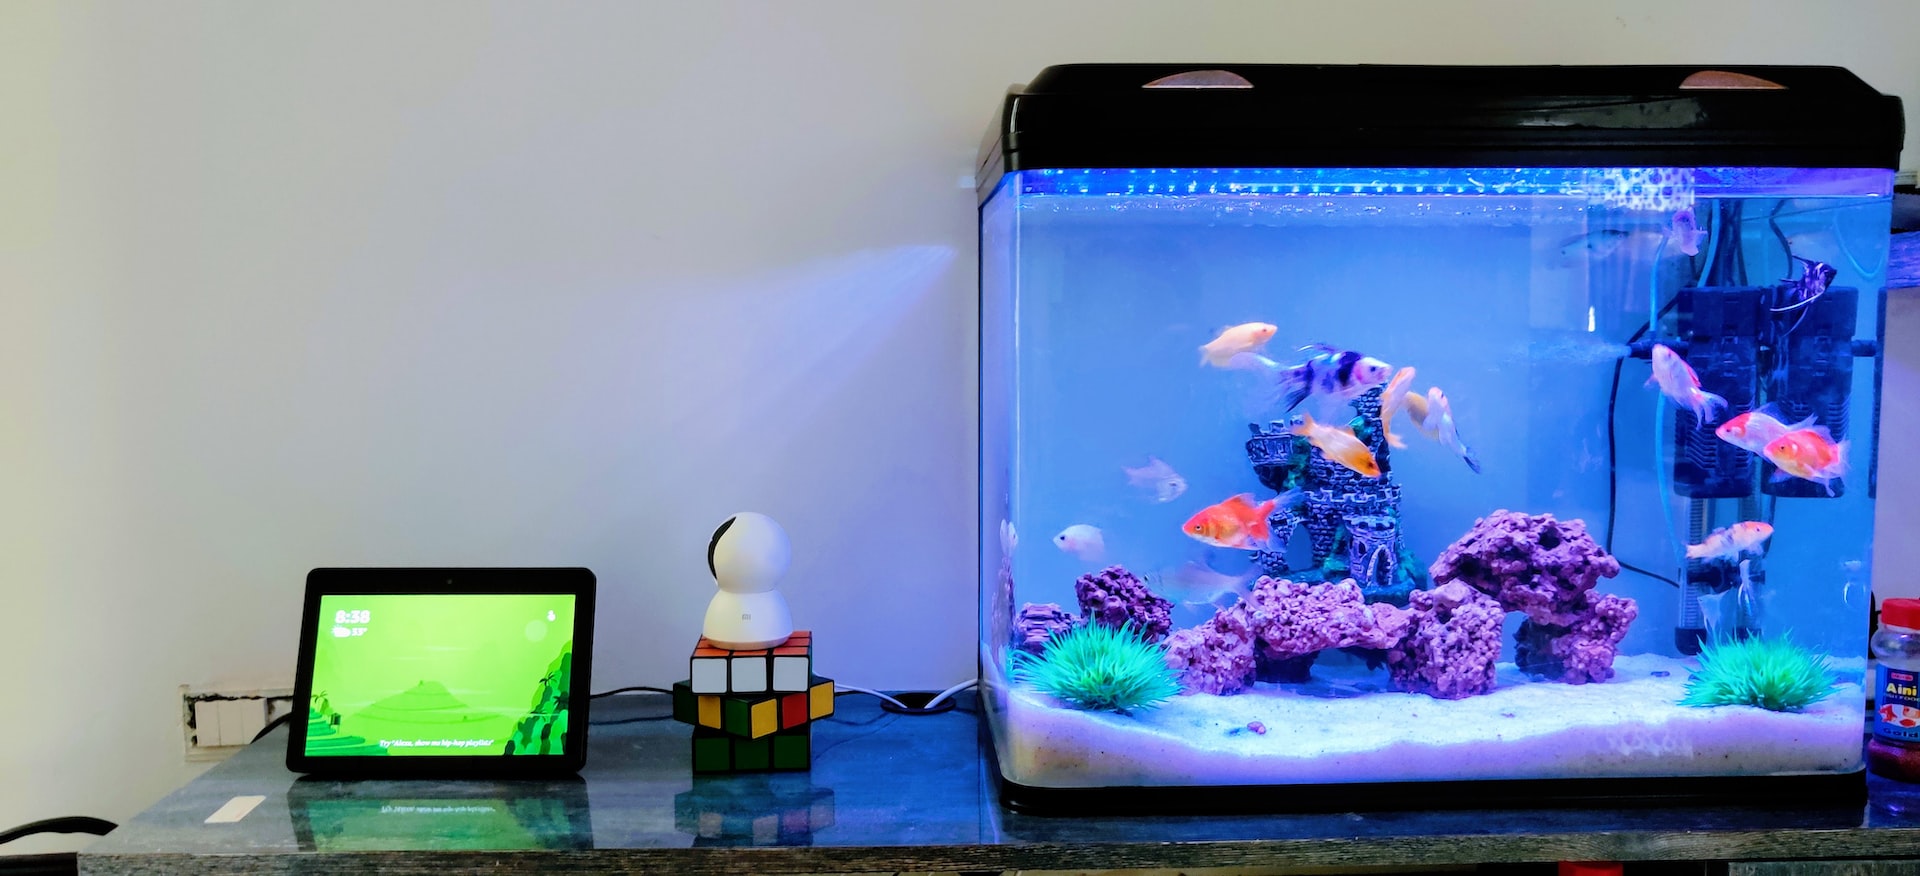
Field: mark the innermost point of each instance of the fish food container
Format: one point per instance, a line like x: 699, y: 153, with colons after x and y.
x: 1401, y: 436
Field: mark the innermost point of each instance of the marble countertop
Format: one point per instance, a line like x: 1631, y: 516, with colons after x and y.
x: 886, y: 793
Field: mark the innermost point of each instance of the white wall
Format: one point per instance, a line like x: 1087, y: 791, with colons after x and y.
x: 351, y: 283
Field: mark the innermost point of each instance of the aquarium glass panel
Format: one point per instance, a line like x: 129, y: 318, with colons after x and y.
x: 1342, y: 475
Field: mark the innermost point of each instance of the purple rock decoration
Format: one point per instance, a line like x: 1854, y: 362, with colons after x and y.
x: 1294, y: 619
x: 1546, y: 569
x: 1531, y: 563
x: 1215, y: 657
x: 1115, y: 597
x: 1453, y: 646
x: 1281, y: 624
x: 1038, y: 623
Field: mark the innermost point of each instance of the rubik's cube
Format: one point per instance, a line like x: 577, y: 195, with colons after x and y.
x: 787, y: 668
x: 768, y: 809
x: 753, y: 710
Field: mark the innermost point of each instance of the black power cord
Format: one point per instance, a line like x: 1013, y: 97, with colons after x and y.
x: 1721, y: 264
x: 1613, y: 443
x: 68, y: 824
x: 269, y: 728
x: 908, y: 703
x: 638, y: 688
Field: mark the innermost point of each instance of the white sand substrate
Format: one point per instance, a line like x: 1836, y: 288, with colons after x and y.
x: 1344, y: 727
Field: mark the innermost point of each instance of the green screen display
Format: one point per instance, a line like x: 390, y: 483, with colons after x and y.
x: 334, y: 825
x: 441, y: 674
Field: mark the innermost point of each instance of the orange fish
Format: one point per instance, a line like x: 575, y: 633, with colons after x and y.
x: 1810, y: 454
x: 1731, y: 542
x: 1392, y: 402
x: 1339, y: 445
x: 1236, y: 523
x: 1754, y: 430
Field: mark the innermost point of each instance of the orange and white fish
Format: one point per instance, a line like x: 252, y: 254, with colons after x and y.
x: 1432, y: 414
x: 1235, y: 523
x: 1392, y: 401
x: 1339, y: 444
x: 1754, y: 430
x: 1083, y: 541
x: 1810, y: 454
x: 1731, y: 542
x: 1243, y: 338
x: 1679, y: 383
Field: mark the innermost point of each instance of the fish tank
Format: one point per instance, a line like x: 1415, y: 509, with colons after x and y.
x: 1383, y: 436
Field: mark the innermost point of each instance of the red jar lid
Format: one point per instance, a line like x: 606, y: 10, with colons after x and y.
x: 1599, y: 868
x: 1900, y: 613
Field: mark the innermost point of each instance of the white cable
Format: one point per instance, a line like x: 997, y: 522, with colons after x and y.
x: 951, y: 691
x: 872, y: 693
x: 931, y: 704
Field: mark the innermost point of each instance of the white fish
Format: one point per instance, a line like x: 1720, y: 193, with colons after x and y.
x: 1749, y: 600
x: 1234, y: 340
x: 1084, y: 541
x: 1600, y: 243
x: 1719, y: 615
x: 1009, y: 538
x: 1200, y: 584
x: 1857, y: 575
x: 1158, y: 478
x: 1681, y: 385
x: 1433, y: 415
x: 1722, y: 613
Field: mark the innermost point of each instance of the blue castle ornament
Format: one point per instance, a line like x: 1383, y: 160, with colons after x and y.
x: 1352, y: 521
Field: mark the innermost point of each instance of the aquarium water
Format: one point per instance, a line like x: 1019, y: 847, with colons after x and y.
x: 1403, y: 473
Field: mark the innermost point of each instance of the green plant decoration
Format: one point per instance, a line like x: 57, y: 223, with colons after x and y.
x: 1772, y: 673
x: 1100, y: 667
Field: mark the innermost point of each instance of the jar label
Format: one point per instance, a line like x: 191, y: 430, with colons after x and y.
x: 1897, y: 706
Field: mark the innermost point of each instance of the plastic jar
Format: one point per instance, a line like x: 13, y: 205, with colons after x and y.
x: 1894, y: 751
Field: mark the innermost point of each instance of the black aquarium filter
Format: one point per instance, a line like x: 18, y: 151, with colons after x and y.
x: 1720, y: 329
x: 1812, y: 375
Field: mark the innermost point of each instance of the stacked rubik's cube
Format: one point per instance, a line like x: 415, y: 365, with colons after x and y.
x: 764, y: 809
x: 753, y: 711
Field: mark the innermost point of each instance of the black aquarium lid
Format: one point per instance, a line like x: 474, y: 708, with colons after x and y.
x: 1298, y: 115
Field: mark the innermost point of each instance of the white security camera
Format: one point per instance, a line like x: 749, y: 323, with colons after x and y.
x: 747, y: 556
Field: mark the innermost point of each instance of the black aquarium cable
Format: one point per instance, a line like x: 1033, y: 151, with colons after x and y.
x: 1713, y: 258
x: 1654, y: 575
x: 1613, y: 443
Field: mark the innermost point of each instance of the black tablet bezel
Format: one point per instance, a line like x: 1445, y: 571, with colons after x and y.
x: 576, y: 582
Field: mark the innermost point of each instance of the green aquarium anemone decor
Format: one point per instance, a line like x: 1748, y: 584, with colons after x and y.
x: 1772, y: 673
x: 1100, y: 667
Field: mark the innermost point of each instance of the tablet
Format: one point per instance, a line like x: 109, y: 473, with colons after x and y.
x: 443, y: 672
x: 331, y: 816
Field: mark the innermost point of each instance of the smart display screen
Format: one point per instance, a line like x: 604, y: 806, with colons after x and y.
x: 435, y: 674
